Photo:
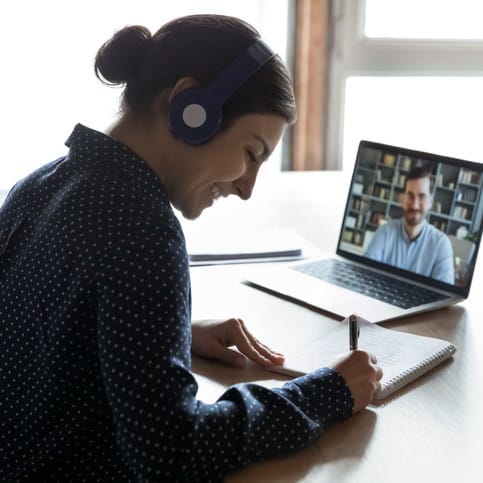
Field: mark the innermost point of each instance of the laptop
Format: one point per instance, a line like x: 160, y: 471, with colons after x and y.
x: 365, y: 275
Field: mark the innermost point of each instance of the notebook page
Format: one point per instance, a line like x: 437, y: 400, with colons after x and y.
x: 403, y: 357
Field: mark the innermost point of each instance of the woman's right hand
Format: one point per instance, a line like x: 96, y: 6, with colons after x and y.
x: 361, y: 374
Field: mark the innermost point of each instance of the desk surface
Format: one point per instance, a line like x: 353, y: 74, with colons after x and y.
x: 430, y: 431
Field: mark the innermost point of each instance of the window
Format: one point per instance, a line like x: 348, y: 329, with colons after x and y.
x: 408, y: 73
x: 423, y: 19
x: 48, y: 82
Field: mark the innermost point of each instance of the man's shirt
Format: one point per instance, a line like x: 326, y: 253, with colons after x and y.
x: 430, y: 254
x: 95, y: 338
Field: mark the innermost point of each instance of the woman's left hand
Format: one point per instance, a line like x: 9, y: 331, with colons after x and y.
x: 212, y: 339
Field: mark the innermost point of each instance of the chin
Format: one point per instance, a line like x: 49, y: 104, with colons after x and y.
x: 192, y: 210
x: 192, y: 213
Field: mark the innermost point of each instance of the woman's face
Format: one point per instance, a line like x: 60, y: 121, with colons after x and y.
x: 226, y: 165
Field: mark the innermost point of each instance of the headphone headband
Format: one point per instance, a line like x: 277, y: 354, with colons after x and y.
x: 241, y: 69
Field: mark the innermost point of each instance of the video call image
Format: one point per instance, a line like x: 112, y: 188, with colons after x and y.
x: 415, y: 214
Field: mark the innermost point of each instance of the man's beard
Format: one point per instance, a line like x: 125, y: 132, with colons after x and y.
x: 414, y: 217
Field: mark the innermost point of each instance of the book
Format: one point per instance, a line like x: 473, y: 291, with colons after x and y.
x: 244, y: 245
x: 403, y: 357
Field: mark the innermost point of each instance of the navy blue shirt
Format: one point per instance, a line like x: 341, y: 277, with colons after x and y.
x: 95, y: 338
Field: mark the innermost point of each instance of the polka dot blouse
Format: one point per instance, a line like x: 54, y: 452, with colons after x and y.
x: 95, y: 337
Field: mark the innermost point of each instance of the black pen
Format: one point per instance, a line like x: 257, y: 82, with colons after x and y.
x: 353, y: 332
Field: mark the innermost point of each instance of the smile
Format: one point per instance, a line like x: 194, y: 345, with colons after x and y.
x: 215, y: 192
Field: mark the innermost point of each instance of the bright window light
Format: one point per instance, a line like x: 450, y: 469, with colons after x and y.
x: 424, y: 19
x: 435, y: 114
x: 48, y: 84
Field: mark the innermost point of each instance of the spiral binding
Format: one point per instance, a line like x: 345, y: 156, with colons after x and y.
x: 411, y: 374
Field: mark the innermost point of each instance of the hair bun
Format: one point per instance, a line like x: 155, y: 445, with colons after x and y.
x: 122, y: 57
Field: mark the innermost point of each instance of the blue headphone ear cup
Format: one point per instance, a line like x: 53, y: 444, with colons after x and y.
x: 194, y: 115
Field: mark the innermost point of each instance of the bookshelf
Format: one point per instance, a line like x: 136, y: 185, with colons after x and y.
x: 379, y: 182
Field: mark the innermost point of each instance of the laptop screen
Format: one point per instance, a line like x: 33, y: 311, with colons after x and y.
x: 414, y: 213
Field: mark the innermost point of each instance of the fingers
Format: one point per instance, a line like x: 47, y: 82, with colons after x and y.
x: 273, y: 356
x: 250, y: 346
x: 377, y: 385
x: 378, y: 375
x: 211, y: 339
x: 230, y: 357
x: 362, y: 375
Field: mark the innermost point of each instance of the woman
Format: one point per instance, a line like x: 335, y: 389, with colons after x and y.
x: 95, y: 294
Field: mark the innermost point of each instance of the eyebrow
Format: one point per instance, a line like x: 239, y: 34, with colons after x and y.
x: 419, y: 193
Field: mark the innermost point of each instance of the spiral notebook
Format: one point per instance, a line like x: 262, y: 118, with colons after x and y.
x: 403, y: 357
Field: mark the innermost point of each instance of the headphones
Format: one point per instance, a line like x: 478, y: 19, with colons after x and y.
x: 196, y: 114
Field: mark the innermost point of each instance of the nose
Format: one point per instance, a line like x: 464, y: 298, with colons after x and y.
x: 412, y: 201
x: 415, y: 203
x: 243, y: 186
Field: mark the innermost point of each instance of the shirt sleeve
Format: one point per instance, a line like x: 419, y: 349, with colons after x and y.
x: 162, y: 430
x: 443, y: 267
x: 375, y: 250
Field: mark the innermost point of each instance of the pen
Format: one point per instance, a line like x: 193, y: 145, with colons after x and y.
x: 353, y: 332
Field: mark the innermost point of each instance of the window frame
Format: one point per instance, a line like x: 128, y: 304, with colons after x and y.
x: 351, y: 53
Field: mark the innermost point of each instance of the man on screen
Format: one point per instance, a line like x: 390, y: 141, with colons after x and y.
x: 411, y: 242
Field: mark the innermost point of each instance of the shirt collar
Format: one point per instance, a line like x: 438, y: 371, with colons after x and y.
x: 95, y: 148
x: 405, y: 235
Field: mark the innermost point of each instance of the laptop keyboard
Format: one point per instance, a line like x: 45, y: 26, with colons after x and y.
x: 372, y: 284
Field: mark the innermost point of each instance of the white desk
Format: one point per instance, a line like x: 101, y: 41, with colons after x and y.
x: 432, y: 431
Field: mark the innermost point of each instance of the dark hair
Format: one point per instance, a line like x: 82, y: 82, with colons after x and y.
x: 419, y: 172
x: 198, y: 46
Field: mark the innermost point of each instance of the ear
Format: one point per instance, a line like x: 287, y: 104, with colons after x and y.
x: 181, y: 85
